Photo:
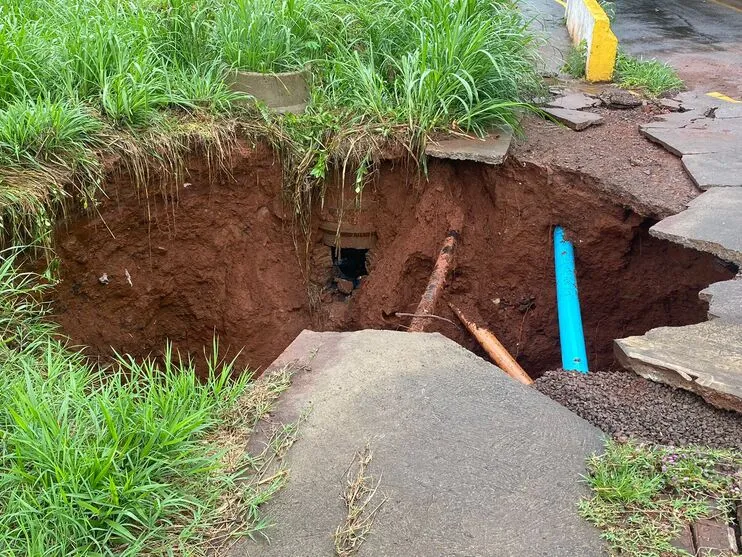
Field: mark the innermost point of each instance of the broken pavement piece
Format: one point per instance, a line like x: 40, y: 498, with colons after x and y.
x: 724, y: 299
x: 620, y: 98
x: 574, y: 119
x: 573, y: 101
x: 714, y: 538
x: 491, y: 150
x: 670, y: 104
x: 705, y: 358
x: 684, y: 540
x: 709, y: 170
x: 711, y: 223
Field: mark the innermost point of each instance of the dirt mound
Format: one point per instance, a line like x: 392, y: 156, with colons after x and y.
x: 625, y: 405
x: 218, y: 256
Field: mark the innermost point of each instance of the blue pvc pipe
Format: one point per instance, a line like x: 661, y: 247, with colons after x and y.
x: 571, y: 336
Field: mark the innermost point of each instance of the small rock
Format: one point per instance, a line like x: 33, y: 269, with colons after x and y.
x: 344, y: 286
x: 103, y: 279
x: 619, y: 98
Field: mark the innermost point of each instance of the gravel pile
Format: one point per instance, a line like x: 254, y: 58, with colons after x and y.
x: 624, y: 405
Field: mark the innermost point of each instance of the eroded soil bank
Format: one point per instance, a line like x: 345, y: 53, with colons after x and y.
x: 219, y: 257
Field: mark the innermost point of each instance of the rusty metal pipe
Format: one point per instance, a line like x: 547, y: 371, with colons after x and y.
x: 436, y: 283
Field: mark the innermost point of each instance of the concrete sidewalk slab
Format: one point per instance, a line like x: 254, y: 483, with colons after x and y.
x: 491, y: 150
x: 712, y: 171
x: 724, y: 299
x: 574, y: 119
x: 712, y: 223
x: 471, y: 462
x: 705, y: 358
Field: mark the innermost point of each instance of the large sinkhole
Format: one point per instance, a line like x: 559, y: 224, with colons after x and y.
x: 221, y: 257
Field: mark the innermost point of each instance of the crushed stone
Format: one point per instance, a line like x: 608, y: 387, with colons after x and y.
x: 625, y: 405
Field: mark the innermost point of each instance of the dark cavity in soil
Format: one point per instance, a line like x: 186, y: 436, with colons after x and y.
x: 219, y: 257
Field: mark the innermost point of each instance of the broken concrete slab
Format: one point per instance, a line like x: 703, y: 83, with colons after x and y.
x: 728, y: 111
x: 490, y: 150
x: 573, y: 101
x: 574, y: 119
x: 470, y: 461
x: 710, y: 170
x: 712, y: 223
x: 724, y: 299
x: 712, y: 137
x: 705, y: 358
x: 670, y: 104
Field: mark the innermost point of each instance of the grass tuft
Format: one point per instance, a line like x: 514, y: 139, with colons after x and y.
x: 653, y: 76
x: 120, y: 460
x: 358, y: 494
x: 643, y: 495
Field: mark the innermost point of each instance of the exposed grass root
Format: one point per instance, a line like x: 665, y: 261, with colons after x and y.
x: 643, y: 495
x: 358, y: 494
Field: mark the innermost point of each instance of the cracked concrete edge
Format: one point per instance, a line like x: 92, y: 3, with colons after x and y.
x: 714, y: 248
x: 724, y: 299
x: 716, y: 394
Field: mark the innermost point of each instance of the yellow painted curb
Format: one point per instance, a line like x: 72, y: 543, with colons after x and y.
x: 601, y: 56
x: 723, y: 97
x: 587, y: 21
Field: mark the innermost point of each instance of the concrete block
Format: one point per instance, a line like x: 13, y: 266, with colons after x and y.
x: 574, y: 119
x: 705, y: 358
x: 587, y: 21
x: 712, y: 223
x: 491, y: 150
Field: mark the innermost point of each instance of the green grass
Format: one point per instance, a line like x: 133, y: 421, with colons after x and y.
x: 574, y: 63
x: 643, y: 495
x: 653, y: 76
x: 123, y: 460
x: 126, y: 459
x: 83, y: 77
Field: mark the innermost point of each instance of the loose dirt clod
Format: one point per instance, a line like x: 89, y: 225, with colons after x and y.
x: 625, y: 405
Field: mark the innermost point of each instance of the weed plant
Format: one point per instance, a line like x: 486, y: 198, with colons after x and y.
x: 82, y: 77
x: 643, y: 495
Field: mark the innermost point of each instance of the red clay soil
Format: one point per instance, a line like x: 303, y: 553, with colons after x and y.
x: 222, y: 260
x: 618, y: 158
x: 504, y: 276
x: 219, y: 260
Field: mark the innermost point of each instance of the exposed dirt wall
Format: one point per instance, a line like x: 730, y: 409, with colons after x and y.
x: 222, y: 260
x: 218, y: 259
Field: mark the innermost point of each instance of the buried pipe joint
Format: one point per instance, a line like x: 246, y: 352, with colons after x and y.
x: 571, y: 336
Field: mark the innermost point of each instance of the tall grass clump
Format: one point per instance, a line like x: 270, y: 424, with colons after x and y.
x: 113, y: 461
x: 431, y: 65
x: 652, y: 75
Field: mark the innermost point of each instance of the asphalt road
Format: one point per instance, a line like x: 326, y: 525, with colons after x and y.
x: 649, y: 26
x: 702, y: 39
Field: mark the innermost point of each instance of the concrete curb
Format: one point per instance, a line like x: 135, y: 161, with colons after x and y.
x: 587, y: 21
